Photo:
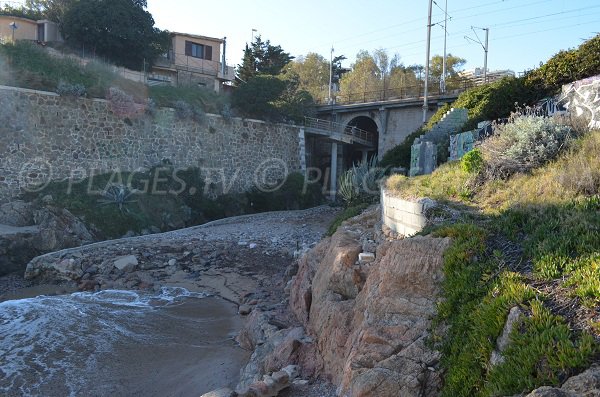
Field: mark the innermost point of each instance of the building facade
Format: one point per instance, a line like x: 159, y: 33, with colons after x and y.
x: 193, y: 60
x: 16, y: 28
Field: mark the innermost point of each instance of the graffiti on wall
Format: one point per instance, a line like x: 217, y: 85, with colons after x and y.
x: 582, y: 98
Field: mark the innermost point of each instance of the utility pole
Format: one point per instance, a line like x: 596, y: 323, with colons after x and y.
x: 329, y: 101
x: 425, y: 105
x: 443, y: 80
x: 484, y: 46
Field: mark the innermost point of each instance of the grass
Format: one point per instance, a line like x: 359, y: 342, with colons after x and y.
x: 536, y: 239
x: 449, y: 181
x: 348, y: 213
x: 28, y: 65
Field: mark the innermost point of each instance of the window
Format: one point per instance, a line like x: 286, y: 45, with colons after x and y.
x: 198, y: 50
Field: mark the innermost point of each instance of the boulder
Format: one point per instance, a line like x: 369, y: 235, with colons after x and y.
x: 16, y: 213
x: 370, y: 325
x: 127, y: 263
x: 586, y: 384
x: 60, y: 229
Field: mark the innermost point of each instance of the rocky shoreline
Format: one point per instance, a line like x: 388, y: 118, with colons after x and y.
x: 245, y: 260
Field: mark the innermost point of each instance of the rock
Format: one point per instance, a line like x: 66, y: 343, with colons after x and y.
x: 371, y: 330
x: 244, y: 310
x: 60, y: 229
x: 252, y: 246
x: 514, y: 316
x: 366, y: 257
x: 586, y: 384
x: 226, y: 392
x: 172, y: 262
x: 16, y: 213
x: 126, y: 263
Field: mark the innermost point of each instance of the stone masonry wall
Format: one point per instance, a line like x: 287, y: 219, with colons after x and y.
x: 47, y: 137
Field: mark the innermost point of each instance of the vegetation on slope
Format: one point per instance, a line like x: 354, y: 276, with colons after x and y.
x: 529, y: 239
x: 498, y: 99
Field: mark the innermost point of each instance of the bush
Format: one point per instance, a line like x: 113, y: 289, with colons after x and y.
x: 361, y: 182
x: 566, y: 67
x: 399, y: 156
x: 524, y: 144
x: 73, y: 90
x: 293, y: 194
x: 472, y: 162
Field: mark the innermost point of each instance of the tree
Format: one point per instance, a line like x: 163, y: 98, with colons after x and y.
x: 53, y: 10
x: 247, y: 69
x: 363, y: 80
x: 453, y: 66
x: 262, y: 58
x: 120, y: 30
x: 311, y: 73
x: 257, y: 97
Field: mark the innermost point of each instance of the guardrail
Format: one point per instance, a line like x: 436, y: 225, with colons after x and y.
x: 332, y: 126
x: 408, y: 92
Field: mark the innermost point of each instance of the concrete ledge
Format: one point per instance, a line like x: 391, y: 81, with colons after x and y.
x: 405, y: 217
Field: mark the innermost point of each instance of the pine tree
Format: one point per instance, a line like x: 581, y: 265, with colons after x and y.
x: 247, y: 69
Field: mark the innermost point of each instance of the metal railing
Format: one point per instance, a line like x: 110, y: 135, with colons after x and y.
x: 407, y: 92
x: 332, y: 126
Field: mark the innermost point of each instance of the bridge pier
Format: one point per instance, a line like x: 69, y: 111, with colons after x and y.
x: 333, y: 184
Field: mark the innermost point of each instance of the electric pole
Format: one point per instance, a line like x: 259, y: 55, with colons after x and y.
x: 330, y: 76
x: 425, y: 105
x: 443, y: 80
x: 484, y: 46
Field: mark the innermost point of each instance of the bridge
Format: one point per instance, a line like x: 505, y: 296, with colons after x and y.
x: 349, y: 132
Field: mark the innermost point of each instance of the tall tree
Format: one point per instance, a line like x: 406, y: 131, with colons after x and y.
x: 120, y: 30
x: 312, y: 74
x: 261, y: 57
x: 453, y: 66
x: 363, y: 80
x: 247, y: 69
x: 53, y: 10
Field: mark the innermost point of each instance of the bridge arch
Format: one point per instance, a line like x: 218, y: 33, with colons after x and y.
x: 356, y: 153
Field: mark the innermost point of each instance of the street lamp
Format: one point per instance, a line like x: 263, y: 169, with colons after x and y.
x: 253, y: 31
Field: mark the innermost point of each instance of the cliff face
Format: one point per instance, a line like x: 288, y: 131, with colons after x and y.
x: 370, y: 321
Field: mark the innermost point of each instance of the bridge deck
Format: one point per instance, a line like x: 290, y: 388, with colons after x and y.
x: 339, y: 132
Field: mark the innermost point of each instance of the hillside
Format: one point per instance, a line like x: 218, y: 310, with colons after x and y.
x: 528, y: 240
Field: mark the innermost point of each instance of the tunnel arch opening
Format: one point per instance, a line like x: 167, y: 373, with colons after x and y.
x: 357, y: 152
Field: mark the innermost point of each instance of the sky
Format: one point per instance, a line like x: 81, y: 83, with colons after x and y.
x: 522, y: 33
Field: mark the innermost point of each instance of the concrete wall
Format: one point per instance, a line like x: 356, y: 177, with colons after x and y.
x: 403, y: 216
x: 26, y: 28
x: 47, y: 137
x: 393, y: 125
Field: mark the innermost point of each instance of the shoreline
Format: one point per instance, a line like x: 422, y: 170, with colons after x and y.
x: 241, y: 261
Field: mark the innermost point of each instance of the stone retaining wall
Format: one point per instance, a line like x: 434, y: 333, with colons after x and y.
x: 403, y: 216
x: 47, y: 137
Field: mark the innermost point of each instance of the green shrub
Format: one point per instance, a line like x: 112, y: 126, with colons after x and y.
x: 472, y: 162
x: 524, y: 144
x: 566, y: 67
x: 293, y: 194
x: 361, y: 182
x: 399, y: 156
x: 67, y: 89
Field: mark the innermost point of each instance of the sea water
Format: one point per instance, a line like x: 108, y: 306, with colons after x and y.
x: 112, y: 343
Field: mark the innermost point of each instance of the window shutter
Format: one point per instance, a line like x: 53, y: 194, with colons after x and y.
x: 188, y: 48
x: 208, y: 52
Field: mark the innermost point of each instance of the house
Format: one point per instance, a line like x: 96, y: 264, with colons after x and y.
x: 18, y: 28
x: 193, y: 60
